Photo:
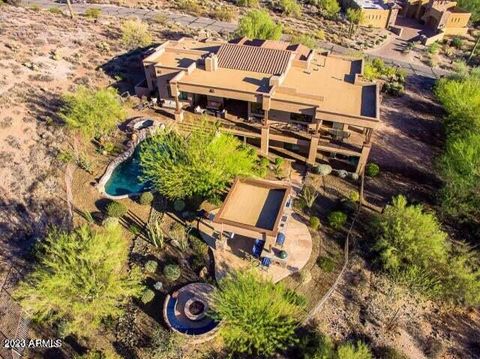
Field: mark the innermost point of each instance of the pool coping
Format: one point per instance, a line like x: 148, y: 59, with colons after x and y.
x: 136, y: 137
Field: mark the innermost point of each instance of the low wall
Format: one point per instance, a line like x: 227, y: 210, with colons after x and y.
x: 430, y: 40
x: 140, y: 135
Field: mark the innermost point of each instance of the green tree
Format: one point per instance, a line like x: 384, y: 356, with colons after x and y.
x: 80, y: 280
x: 258, y: 24
x: 291, y: 7
x: 331, y: 8
x: 202, y: 163
x: 93, y: 113
x: 473, y: 6
x: 414, y: 249
x: 258, y: 317
x: 135, y: 34
x: 355, y: 18
x: 460, y: 96
x: 407, y: 235
x: 459, y: 167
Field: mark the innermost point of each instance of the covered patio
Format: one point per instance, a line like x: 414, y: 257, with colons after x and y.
x: 256, y: 227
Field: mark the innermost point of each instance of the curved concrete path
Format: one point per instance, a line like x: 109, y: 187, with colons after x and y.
x: 298, y: 245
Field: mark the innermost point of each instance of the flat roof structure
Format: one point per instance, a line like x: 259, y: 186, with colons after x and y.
x: 279, y: 75
x: 254, y: 205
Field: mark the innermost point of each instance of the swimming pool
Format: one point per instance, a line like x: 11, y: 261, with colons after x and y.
x: 125, y: 178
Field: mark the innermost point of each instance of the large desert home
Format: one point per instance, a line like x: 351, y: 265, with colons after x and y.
x: 307, y: 105
x: 256, y: 226
x: 441, y: 17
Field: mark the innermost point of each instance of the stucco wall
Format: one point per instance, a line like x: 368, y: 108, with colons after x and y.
x: 375, y: 17
x: 457, y: 20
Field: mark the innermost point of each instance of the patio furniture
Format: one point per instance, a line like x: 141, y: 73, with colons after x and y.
x: 280, y: 239
x: 258, y: 248
x: 282, y: 254
x: 266, y: 263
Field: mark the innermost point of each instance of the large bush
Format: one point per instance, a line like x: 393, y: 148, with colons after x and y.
x: 473, y: 6
x: 200, y: 164
x: 258, y: 317
x: 291, y: 7
x: 413, y: 248
x: 79, y: 280
x: 359, y: 350
x: 337, y: 219
x: 93, y: 113
x: 257, y: 24
x: 135, y: 34
x: 116, y: 209
x: 172, y: 272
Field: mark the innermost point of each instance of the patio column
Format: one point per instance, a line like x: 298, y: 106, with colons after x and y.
x: 265, y: 140
x: 362, y: 161
x: 178, y: 109
x: 312, y: 151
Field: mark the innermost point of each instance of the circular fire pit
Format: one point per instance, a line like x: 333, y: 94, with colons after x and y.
x: 195, y: 309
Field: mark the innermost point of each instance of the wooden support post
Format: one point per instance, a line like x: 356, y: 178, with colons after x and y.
x: 362, y: 161
x: 265, y: 139
x: 312, y: 151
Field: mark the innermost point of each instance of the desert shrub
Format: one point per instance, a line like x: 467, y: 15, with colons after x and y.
x: 204, y: 164
x: 319, y: 34
x: 387, y: 352
x: 110, y: 222
x: 146, y: 198
x: 330, y: 8
x: 166, y: 344
x: 291, y: 7
x: 355, y: 17
x: 135, y: 34
x: 323, y: 170
x: 337, y: 219
x: 151, y: 266
x: 259, y: 317
x: 457, y: 42
x: 172, y: 272
x: 93, y: 113
x: 34, y: 7
x: 55, y: 10
x: 147, y: 296
x: 412, y: 247
x: 394, y: 76
x: 304, y: 39
x: 190, y: 6
x: 342, y: 173
x: 327, y: 264
x: 372, y: 169
x: 224, y: 14
x: 93, y: 12
x: 116, y: 209
x: 459, y: 168
x: 263, y: 167
x: 358, y: 350
x: 161, y: 19
x: 257, y: 24
x: 433, y: 48
x: 308, y: 196
x: 79, y: 280
x: 314, y: 223
x: 314, y: 345
x: 248, y: 3
x: 155, y: 234
x: 354, y: 196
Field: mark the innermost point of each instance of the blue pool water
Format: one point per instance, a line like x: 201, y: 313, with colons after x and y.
x: 125, y: 178
x: 182, y: 326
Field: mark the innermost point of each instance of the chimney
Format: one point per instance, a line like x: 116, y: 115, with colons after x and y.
x: 211, y: 63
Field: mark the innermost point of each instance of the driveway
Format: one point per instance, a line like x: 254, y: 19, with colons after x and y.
x: 412, y: 30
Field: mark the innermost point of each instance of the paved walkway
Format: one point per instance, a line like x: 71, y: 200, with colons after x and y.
x: 225, y: 28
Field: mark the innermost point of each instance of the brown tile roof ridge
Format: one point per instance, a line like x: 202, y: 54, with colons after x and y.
x: 253, y: 58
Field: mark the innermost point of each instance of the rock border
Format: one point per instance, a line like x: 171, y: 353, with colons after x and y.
x: 137, y: 136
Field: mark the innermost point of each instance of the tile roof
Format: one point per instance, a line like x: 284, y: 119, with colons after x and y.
x: 252, y: 58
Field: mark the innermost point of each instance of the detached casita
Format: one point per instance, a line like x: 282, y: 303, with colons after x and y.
x: 308, y: 105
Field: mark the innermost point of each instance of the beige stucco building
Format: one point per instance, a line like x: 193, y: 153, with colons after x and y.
x: 288, y: 99
x: 440, y: 16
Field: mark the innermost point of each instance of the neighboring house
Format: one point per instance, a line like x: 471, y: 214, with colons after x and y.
x: 300, y: 103
x: 439, y: 16
x: 376, y: 13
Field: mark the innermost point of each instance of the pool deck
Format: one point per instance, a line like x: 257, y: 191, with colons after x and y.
x: 234, y: 256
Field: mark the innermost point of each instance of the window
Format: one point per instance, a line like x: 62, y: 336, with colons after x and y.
x: 183, y: 96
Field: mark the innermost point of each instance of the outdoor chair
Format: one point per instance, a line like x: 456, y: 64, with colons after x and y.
x: 280, y: 241
x: 266, y: 263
